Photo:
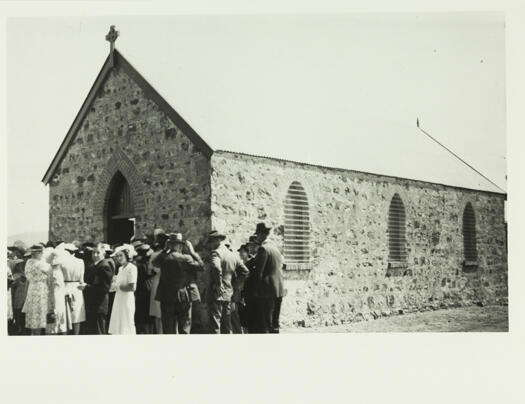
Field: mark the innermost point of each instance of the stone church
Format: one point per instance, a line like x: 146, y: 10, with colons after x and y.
x: 357, y: 245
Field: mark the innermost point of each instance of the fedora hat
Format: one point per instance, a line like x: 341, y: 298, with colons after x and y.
x: 262, y: 228
x: 144, y: 249
x: 136, y: 243
x: 67, y: 246
x: 253, y: 240
x: 88, y: 246
x: 215, y: 234
x: 175, y: 237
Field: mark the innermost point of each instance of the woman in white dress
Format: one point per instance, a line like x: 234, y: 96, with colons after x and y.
x: 73, y: 269
x: 123, y: 312
x: 57, y: 293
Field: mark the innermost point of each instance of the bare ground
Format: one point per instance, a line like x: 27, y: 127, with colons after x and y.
x: 463, y: 319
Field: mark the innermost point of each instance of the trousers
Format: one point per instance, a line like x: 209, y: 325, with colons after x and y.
x: 175, y: 317
x: 270, y: 311
x: 220, y: 317
x: 96, y: 323
x: 236, y: 318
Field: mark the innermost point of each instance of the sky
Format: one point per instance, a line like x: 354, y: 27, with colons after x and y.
x: 338, y: 90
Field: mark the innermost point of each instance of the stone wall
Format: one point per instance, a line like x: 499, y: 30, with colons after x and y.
x: 348, y: 280
x: 169, y: 178
x: 126, y: 131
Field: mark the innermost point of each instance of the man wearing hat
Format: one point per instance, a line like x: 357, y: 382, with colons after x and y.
x: 143, y: 321
x: 251, y: 313
x: 225, y: 266
x: 269, y: 286
x: 19, y: 286
x: 98, y: 282
x: 177, y: 290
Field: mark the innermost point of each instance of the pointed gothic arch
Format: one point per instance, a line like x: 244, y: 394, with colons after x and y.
x: 118, y: 179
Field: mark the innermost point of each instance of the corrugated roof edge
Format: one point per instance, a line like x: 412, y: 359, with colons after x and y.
x: 503, y: 194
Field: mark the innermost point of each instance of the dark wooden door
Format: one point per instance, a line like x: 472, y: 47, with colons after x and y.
x: 120, y: 230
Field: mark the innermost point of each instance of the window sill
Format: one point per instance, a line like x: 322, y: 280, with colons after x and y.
x: 470, y: 266
x: 398, y: 269
x: 297, y: 267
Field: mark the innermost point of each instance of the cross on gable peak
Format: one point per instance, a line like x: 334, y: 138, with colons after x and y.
x: 111, y: 37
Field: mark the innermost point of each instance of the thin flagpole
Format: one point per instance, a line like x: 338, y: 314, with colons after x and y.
x: 459, y: 158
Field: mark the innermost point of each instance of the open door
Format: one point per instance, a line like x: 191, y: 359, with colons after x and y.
x: 120, y: 211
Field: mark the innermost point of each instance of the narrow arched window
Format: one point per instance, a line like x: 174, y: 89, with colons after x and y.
x: 469, y: 234
x: 396, y: 231
x: 296, y: 228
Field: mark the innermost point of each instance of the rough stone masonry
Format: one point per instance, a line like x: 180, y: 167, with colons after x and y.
x: 174, y: 185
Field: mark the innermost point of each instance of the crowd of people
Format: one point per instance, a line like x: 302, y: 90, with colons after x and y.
x: 146, y: 286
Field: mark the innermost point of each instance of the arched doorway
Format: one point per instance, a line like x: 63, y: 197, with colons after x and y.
x: 119, y: 212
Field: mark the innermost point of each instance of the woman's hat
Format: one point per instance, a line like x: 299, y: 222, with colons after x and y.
x: 128, y: 247
x: 215, y: 234
x: 262, y: 228
x: 36, y: 248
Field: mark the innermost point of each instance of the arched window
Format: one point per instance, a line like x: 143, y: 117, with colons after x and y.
x: 396, y: 231
x: 469, y: 235
x: 296, y: 228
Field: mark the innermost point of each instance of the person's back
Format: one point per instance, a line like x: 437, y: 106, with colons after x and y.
x: 269, y: 262
x: 229, y: 262
x: 174, y: 276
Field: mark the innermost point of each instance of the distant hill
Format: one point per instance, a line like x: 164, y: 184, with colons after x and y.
x: 28, y: 238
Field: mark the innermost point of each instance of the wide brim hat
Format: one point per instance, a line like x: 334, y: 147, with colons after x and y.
x: 88, y: 246
x: 67, y: 246
x: 136, y: 243
x: 131, y: 251
x: 144, y: 249
x: 17, y: 249
x: 216, y: 234
x: 36, y: 248
x: 175, y: 238
x: 252, y: 240
x: 262, y: 228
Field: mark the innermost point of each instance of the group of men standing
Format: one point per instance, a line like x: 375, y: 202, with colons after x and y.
x: 244, y: 293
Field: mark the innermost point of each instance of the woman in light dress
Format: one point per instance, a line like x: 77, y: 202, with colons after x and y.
x: 57, y: 292
x: 73, y: 269
x: 36, y: 303
x: 123, y: 312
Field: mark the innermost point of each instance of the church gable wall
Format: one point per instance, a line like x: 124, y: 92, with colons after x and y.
x: 349, y: 278
x: 126, y: 131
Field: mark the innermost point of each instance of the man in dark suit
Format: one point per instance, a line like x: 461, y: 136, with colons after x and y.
x: 225, y: 267
x: 269, y: 280
x: 251, y: 310
x: 177, y: 289
x: 98, y: 281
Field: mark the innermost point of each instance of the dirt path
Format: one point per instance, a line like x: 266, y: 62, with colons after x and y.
x: 464, y: 319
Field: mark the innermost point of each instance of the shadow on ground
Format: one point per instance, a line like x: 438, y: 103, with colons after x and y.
x: 464, y: 319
